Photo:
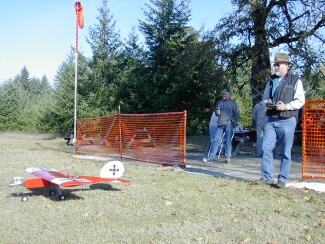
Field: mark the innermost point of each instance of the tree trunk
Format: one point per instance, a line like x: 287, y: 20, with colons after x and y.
x: 260, y: 72
x: 260, y: 54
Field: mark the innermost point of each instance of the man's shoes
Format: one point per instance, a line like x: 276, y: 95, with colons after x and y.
x: 258, y: 155
x: 207, y: 160
x: 264, y: 182
x: 280, y: 184
x: 227, y: 161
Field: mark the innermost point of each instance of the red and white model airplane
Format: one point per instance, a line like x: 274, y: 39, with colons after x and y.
x: 111, y: 172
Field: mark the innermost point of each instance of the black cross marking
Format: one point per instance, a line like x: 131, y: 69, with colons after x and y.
x: 114, y: 170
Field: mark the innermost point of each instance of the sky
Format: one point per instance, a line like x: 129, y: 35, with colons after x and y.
x: 39, y: 34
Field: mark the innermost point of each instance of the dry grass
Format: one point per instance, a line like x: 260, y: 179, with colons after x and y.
x: 161, y: 205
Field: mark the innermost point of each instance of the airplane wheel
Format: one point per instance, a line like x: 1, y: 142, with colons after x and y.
x: 62, y: 197
x: 52, y: 192
x: 24, y: 198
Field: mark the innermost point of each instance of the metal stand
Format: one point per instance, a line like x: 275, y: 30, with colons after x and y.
x: 222, y: 144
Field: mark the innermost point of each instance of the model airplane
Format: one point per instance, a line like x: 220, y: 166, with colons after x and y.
x: 111, y: 172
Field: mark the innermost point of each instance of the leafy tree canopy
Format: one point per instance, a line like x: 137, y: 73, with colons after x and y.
x: 258, y: 27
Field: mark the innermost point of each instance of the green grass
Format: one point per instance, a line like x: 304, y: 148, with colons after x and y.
x: 161, y: 205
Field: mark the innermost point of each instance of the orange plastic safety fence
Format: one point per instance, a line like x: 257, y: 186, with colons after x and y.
x: 313, y: 138
x: 155, y: 138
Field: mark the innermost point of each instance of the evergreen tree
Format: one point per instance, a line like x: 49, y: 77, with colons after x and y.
x: 132, y: 72
x: 105, y: 45
x: 23, y: 100
x: 181, y: 71
x: 59, y: 116
x: 9, y: 106
x: 43, y: 104
x: 166, y: 34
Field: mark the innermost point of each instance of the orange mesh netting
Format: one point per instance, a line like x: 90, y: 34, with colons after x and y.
x: 313, y: 149
x: 155, y: 138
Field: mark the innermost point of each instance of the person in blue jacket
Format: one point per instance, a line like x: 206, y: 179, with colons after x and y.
x: 213, y: 125
x: 259, y: 120
x: 228, y: 115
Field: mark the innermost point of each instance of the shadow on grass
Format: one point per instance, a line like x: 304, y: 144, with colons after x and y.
x: 69, y: 193
x: 67, y: 149
x: 213, y: 173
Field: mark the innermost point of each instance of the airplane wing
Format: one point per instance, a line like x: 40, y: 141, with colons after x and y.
x: 67, y: 180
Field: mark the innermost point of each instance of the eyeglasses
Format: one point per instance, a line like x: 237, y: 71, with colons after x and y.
x: 278, y: 64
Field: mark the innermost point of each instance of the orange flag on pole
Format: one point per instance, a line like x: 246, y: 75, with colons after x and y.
x: 80, y: 13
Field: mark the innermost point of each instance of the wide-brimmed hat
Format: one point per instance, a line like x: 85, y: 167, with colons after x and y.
x: 282, y: 57
x: 225, y: 90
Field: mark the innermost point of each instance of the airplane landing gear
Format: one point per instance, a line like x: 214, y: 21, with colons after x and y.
x: 52, y: 192
x: 62, y: 197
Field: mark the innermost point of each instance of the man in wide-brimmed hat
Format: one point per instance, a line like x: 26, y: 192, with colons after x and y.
x: 284, y: 96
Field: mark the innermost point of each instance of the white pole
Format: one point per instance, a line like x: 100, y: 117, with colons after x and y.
x: 75, y: 103
x: 75, y: 85
x: 79, y: 22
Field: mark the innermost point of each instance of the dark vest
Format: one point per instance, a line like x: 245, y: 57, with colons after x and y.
x: 284, y: 93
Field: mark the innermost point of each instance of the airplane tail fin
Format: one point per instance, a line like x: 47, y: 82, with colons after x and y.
x: 113, y: 169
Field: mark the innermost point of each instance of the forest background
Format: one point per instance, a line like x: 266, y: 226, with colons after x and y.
x: 177, y: 67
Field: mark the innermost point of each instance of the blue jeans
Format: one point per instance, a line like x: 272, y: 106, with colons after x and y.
x: 282, y: 130
x: 259, y: 139
x: 212, y: 131
x: 228, y: 129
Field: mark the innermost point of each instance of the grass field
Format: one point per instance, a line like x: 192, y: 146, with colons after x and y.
x: 161, y: 205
